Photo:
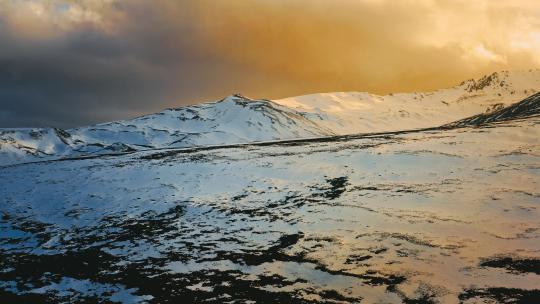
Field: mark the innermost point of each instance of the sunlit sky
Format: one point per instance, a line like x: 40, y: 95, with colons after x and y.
x: 71, y: 63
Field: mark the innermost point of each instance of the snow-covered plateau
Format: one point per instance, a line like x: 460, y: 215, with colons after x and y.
x: 327, y: 198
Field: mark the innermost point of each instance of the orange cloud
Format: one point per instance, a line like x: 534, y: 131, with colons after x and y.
x: 192, y: 51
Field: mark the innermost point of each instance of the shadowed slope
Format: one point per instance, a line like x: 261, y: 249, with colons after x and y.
x: 526, y: 108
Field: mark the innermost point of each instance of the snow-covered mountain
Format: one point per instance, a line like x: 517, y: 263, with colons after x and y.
x: 234, y: 119
x: 26, y: 144
x: 238, y: 119
x: 355, y: 112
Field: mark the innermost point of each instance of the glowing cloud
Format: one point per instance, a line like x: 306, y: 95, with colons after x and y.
x: 110, y: 58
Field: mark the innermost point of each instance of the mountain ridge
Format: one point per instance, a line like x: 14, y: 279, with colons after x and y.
x: 529, y: 107
x: 239, y: 119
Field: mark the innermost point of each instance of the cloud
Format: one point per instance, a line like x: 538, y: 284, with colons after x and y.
x: 69, y: 63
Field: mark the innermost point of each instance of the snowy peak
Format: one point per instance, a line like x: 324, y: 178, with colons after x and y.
x: 359, y: 112
x: 506, y: 81
x: 233, y: 119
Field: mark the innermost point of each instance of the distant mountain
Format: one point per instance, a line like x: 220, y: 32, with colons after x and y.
x: 33, y: 143
x: 354, y: 112
x: 234, y: 119
x: 238, y: 119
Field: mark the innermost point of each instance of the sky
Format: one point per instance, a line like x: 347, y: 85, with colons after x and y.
x: 73, y: 63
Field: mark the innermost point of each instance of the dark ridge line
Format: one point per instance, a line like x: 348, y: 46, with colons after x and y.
x: 291, y: 142
x: 526, y: 108
x: 284, y: 142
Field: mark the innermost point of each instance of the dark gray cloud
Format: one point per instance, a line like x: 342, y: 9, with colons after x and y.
x: 70, y: 63
x: 88, y: 74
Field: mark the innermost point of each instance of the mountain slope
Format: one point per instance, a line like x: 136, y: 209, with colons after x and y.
x: 234, y: 119
x: 526, y: 108
x: 354, y: 112
x: 238, y: 119
x: 21, y: 145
